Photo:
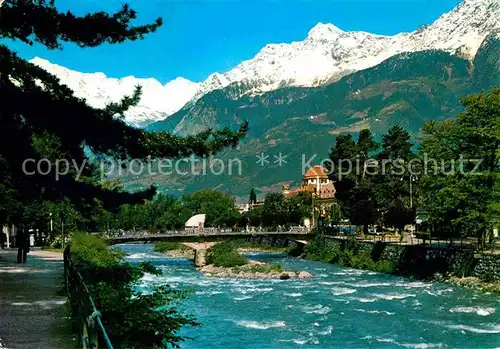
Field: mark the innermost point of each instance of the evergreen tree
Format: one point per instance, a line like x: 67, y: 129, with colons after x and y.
x: 354, y: 190
x: 392, y: 185
x: 253, y: 197
x: 41, y: 118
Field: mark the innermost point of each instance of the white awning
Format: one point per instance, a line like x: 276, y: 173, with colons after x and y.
x: 196, y: 221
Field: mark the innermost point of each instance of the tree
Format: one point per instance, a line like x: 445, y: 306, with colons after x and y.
x: 353, y: 189
x: 173, y: 214
x: 396, y: 144
x: 460, y: 188
x: 274, y: 211
x: 392, y: 185
x: 253, y: 197
x: 366, y: 144
x: 255, y: 215
x: 298, y: 207
x: 218, y: 207
x: 41, y: 119
x: 9, y: 204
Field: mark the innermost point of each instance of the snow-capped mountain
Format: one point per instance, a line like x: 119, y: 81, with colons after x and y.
x: 158, y: 101
x: 329, y: 53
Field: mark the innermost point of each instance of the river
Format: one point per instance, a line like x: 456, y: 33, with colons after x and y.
x: 338, y: 308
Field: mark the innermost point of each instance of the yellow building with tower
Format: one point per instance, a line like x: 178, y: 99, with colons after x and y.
x: 320, y: 186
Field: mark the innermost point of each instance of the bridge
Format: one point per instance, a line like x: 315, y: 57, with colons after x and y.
x: 200, y: 240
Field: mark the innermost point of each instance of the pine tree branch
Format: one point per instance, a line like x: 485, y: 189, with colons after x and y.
x: 119, y: 109
x: 47, y: 105
x: 40, y: 21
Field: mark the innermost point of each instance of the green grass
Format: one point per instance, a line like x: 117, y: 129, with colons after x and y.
x: 52, y: 249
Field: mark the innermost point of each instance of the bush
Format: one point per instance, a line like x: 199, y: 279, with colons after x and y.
x: 317, y: 250
x: 263, y: 246
x: 268, y: 268
x: 92, y: 251
x: 164, y: 247
x: 225, y: 255
x: 132, y: 319
x: 350, y: 256
x: 385, y: 266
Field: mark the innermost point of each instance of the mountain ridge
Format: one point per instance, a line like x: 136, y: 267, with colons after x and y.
x: 405, y: 90
x: 99, y: 90
x: 329, y: 51
x: 324, y: 56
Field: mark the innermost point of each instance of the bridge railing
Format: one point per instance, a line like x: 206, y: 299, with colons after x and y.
x: 207, y: 232
x: 92, y: 331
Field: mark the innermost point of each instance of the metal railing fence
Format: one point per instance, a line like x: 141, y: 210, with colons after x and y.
x: 92, y: 331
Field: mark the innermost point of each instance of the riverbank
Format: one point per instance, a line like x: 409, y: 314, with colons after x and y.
x: 189, y: 253
x: 254, y: 270
x: 450, y: 266
x: 470, y: 282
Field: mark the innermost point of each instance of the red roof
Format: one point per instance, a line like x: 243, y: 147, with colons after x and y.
x: 316, y: 171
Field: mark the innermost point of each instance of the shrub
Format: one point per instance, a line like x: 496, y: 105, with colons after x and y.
x: 262, y: 245
x: 351, y: 256
x: 268, y: 268
x: 225, y: 255
x: 92, y: 251
x: 385, y: 266
x: 319, y: 251
x: 132, y: 319
x: 165, y: 246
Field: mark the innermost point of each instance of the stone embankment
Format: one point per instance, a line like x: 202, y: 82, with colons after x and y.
x: 479, y: 271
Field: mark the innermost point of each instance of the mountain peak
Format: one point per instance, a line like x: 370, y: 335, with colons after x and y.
x: 39, y: 61
x: 180, y: 81
x: 324, y: 31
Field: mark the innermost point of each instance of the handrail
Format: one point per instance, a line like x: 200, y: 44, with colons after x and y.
x: 81, y: 301
x: 206, y: 232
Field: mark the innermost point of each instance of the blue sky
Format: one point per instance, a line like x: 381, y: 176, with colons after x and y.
x: 203, y: 36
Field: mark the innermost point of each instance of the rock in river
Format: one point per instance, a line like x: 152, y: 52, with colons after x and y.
x: 305, y: 275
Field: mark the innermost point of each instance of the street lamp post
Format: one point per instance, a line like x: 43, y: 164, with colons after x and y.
x: 412, y: 179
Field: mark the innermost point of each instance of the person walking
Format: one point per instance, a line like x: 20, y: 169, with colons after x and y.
x: 23, y: 246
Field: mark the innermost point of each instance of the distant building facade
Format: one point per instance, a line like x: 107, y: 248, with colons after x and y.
x: 321, y: 187
x: 315, y: 181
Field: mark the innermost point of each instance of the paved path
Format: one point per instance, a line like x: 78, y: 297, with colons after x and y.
x: 31, y: 312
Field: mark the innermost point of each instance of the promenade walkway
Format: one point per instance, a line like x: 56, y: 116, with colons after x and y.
x: 31, y: 311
